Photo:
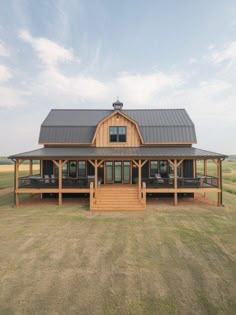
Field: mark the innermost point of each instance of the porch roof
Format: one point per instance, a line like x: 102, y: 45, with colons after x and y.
x: 125, y: 152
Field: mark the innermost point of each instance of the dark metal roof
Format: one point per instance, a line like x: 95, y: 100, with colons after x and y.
x: 165, y: 134
x: 73, y: 134
x: 156, y: 125
x: 135, y: 152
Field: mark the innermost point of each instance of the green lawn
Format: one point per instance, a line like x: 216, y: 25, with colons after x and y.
x: 7, y: 179
x: 165, y: 260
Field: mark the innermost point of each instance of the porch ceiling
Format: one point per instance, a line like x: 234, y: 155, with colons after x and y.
x: 127, y: 152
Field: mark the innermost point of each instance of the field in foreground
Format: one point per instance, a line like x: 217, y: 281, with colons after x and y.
x: 165, y: 260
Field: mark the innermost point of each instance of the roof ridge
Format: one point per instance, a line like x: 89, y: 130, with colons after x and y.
x: 69, y: 126
x: 79, y: 109
x: 169, y: 126
x: 107, y: 109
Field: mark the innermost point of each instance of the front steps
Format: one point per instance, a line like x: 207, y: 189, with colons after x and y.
x: 117, y: 198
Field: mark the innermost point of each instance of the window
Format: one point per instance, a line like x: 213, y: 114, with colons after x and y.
x: 126, y: 171
x: 113, y: 134
x: 179, y: 170
x: 117, y: 134
x: 154, y: 168
x: 159, y: 167
x: 64, y: 170
x: 72, y: 168
x: 81, y: 169
x: 109, y: 171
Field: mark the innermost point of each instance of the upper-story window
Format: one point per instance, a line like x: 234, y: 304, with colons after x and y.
x: 117, y: 134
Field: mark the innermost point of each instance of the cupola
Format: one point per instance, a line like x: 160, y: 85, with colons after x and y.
x: 117, y: 105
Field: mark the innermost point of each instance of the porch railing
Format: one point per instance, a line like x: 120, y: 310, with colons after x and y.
x: 37, y: 181
x: 76, y: 183
x: 197, y: 182
x: 182, y: 182
x: 159, y: 182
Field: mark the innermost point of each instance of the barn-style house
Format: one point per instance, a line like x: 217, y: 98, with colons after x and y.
x: 118, y: 158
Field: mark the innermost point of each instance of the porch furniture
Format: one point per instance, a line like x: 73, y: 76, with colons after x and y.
x: 47, y: 179
x: 53, y: 179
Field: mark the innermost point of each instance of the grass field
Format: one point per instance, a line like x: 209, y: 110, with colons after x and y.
x: 165, y: 260
x: 7, y: 174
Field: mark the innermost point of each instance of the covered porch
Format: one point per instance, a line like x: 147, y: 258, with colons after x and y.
x: 137, y: 171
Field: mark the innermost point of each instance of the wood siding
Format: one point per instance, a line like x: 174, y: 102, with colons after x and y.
x: 132, y: 137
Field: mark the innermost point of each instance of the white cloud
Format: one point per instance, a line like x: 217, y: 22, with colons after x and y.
x: 11, y: 98
x: 4, y: 51
x: 53, y: 82
x: 192, y: 61
x: 5, y: 74
x: 137, y: 89
x: 140, y: 89
x: 225, y: 55
x: 49, y: 52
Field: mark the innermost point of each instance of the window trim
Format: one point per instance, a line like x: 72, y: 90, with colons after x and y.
x: 78, y: 175
x: 117, y: 134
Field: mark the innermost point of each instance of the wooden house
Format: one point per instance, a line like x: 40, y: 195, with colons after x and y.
x: 118, y: 158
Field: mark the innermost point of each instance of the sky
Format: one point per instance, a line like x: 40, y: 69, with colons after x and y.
x: 84, y: 53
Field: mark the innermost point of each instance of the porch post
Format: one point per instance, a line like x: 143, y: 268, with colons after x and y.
x: 17, y: 165
x: 219, y: 201
x: 60, y: 183
x: 139, y: 177
x: 221, y: 192
x: 31, y: 167
x: 96, y: 175
x: 175, y: 183
x: 194, y: 168
x: 41, y: 167
x: 205, y: 173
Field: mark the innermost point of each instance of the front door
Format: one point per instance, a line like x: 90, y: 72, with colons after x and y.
x: 118, y: 172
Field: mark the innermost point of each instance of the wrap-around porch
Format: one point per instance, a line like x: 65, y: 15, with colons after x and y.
x: 149, y: 176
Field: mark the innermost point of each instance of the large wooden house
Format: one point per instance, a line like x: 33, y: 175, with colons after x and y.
x: 118, y: 158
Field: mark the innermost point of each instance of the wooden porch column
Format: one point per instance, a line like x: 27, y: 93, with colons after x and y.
x: 219, y: 180
x: 175, y: 183
x: 139, y: 165
x: 175, y: 165
x: 139, y: 177
x: 219, y: 201
x: 31, y: 167
x: 194, y: 168
x: 96, y: 164
x: 41, y: 168
x: 17, y: 165
x: 60, y: 182
x: 205, y: 173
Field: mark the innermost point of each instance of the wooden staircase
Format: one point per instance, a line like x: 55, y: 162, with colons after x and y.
x: 117, y: 198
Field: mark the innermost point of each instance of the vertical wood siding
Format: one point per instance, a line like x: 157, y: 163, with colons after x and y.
x: 132, y: 137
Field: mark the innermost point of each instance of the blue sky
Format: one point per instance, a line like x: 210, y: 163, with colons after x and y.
x: 152, y: 54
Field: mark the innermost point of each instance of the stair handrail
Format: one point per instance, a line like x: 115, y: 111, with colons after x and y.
x: 91, y: 195
x: 143, y: 194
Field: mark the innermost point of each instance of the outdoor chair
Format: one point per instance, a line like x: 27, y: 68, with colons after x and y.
x: 46, y: 179
x: 53, y: 180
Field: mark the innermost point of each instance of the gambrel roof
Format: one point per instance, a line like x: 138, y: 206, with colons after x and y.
x: 155, y: 125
